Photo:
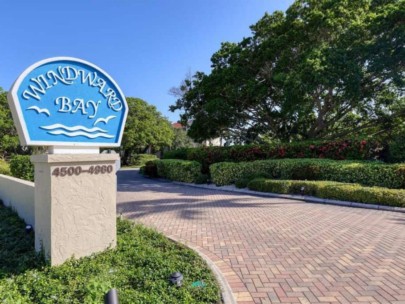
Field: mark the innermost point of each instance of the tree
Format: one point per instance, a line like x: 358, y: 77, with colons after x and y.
x: 182, y: 140
x: 9, y: 143
x: 145, y: 129
x: 324, y: 69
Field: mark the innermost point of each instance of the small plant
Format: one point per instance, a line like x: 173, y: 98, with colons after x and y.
x: 21, y: 167
x: 17, y: 252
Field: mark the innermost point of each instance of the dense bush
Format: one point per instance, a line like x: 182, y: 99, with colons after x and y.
x: 179, y: 170
x: 150, y: 169
x: 339, y: 150
x: 332, y: 190
x: 202, y: 179
x: 4, y: 167
x: 21, y: 167
x: 178, y: 154
x: 365, y: 173
x: 396, y: 151
x: 242, y: 182
x: 139, y: 268
x: 140, y: 160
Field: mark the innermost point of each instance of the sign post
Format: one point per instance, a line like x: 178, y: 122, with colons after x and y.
x: 74, y: 108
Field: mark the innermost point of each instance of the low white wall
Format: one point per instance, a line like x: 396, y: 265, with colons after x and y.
x: 19, y: 195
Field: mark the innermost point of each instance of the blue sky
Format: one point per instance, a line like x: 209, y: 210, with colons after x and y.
x: 147, y: 46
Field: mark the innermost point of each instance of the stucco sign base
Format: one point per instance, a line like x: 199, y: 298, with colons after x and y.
x: 75, y: 201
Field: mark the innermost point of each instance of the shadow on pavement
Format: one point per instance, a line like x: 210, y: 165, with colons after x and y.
x: 189, y: 205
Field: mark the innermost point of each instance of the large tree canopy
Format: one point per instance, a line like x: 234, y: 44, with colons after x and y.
x: 324, y: 69
x: 145, y: 128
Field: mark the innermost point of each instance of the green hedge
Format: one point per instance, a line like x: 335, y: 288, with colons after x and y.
x: 354, y: 149
x: 178, y: 153
x: 332, y: 190
x: 21, y: 167
x: 365, y: 173
x: 179, y: 170
x: 150, y: 169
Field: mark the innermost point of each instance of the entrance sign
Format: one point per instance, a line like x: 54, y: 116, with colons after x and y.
x: 66, y: 101
x: 74, y: 107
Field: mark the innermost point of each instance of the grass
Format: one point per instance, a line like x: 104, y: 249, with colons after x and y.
x: 4, y: 167
x: 139, y: 268
x: 140, y: 160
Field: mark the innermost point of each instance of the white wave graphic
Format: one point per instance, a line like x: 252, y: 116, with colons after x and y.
x: 75, y: 128
x: 79, y: 133
x: 39, y: 110
x: 104, y: 120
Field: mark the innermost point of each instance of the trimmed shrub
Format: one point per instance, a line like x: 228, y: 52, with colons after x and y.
x: 179, y: 170
x: 150, y: 169
x: 332, y: 190
x: 242, y: 182
x: 339, y: 150
x: 140, y: 160
x: 227, y: 173
x: 365, y: 173
x: 21, y: 167
x: 267, y: 185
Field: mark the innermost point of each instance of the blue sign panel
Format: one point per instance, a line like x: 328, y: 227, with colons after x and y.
x: 70, y: 102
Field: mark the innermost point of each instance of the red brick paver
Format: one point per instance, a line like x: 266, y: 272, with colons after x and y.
x: 277, y: 250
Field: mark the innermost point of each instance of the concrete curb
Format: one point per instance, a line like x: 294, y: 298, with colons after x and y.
x: 307, y: 199
x: 226, y: 291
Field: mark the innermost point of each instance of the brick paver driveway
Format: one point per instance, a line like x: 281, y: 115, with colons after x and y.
x: 277, y: 250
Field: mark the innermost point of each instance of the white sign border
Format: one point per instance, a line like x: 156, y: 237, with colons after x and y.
x: 19, y: 120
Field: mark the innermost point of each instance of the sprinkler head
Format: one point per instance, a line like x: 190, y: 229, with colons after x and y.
x: 176, y: 278
x: 28, y: 228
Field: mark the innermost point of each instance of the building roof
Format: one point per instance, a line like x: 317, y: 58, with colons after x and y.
x: 177, y: 125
